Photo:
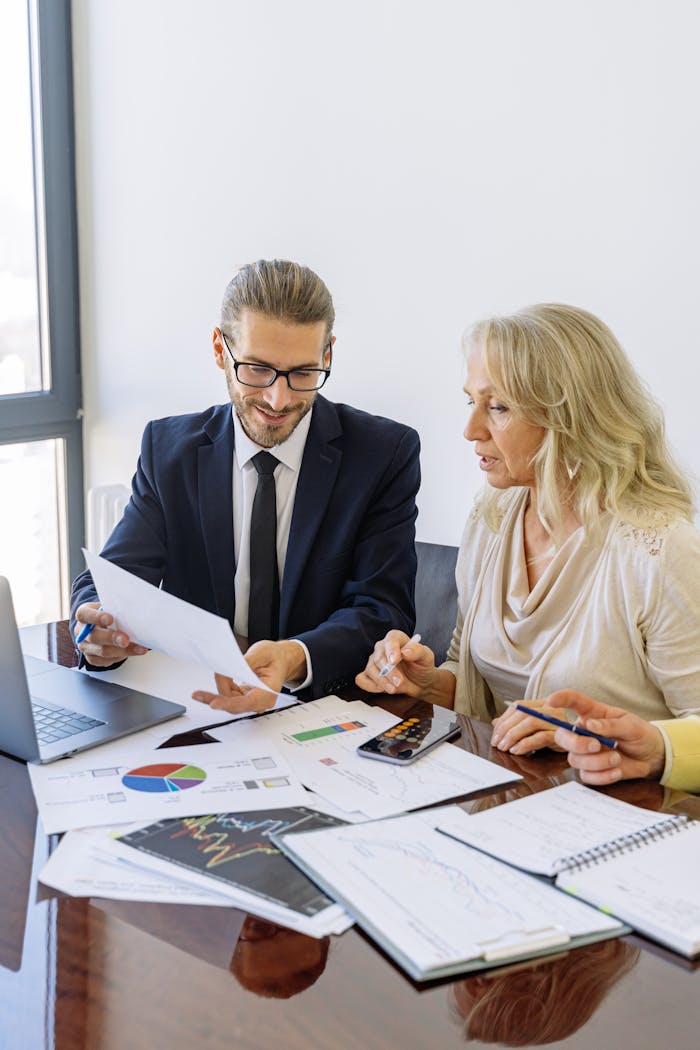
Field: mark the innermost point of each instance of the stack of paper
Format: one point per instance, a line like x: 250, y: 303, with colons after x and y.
x: 225, y: 859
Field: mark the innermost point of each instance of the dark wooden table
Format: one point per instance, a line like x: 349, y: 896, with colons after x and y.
x: 104, y: 975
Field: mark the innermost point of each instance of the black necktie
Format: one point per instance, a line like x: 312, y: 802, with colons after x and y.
x: 263, y: 604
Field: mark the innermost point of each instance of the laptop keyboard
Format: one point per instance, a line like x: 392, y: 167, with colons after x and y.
x: 56, y: 723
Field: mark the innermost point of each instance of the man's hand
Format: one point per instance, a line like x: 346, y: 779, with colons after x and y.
x: 518, y: 733
x: 104, y: 645
x: 274, y: 663
x: 640, y: 750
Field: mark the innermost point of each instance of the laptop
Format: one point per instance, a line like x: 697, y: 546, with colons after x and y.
x: 48, y: 712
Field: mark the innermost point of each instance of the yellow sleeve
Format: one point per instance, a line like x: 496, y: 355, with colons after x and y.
x: 682, y: 740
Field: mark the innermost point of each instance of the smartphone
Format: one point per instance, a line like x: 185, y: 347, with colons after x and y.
x: 413, y: 737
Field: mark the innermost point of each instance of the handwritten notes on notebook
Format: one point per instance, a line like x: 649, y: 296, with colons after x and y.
x: 547, y: 832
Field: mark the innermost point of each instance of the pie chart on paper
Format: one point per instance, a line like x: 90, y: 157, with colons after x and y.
x: 163, y: 777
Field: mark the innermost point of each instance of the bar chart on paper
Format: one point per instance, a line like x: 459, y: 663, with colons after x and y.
x: 319, y: 731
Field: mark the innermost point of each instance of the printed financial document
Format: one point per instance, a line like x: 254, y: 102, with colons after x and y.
x: 85, y: 790
x: 158, y: 620
x: 433, y: 903
x: 83, y: 865
x: 319, y: 740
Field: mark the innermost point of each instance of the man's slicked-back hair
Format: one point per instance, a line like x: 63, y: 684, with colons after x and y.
x: 280, y: 289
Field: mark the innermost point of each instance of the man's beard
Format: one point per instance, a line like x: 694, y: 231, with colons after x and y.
x: 266, y: 434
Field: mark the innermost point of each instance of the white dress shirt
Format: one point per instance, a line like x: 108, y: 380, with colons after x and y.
x: 245, y: 480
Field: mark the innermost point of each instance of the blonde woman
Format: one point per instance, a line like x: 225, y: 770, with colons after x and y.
x: 579, y: 566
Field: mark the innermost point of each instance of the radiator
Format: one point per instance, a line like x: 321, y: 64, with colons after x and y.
x: 105, y: 506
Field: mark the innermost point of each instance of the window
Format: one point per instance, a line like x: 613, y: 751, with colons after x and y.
x: 41, y: 488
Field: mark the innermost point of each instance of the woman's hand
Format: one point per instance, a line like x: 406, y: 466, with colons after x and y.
x: 412, y: 670
x: 640, y: 750
x: 520, y: 734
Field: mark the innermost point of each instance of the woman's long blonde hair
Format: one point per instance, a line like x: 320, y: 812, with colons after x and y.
x: 562, y: 369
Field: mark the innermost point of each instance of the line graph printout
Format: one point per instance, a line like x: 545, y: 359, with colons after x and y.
x: 382, y: 789
x: 233, y: 854
x: 235, y: 851
x: 87, y: 791
x: 435, y: 904
x: 83, y: 865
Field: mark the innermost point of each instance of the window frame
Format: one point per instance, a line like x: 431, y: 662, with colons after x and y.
x: 57, y: 411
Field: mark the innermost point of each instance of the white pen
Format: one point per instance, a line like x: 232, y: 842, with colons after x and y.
x: 388, y: 668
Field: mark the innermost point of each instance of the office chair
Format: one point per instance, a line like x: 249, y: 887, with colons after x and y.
x: 436, y: 596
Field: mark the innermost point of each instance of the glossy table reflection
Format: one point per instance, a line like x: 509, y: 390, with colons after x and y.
x: 105, y: 975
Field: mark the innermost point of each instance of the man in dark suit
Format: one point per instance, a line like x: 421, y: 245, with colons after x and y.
x: 341, y: 522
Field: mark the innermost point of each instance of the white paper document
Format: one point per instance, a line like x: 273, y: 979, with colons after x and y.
x: 158, y: 620
x: 319, y: 740
x: 85, y: 790
x: 381, y: 789
x: 316, y: 725
x: 84, y: 865
x: 546, y: 832
x: 654, y: 888
x: 433, y: 903
x: 172, y: 679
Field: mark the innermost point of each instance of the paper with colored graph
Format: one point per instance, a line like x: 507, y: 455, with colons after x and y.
x: 84, y: 865
x: 320, y: 740
x: 235, y: 854
x: 85, y: 790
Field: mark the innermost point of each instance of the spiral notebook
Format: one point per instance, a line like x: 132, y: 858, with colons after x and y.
x: 630, y: 862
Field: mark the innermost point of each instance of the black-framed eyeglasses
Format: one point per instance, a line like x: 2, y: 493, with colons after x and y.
x: 301, y: 379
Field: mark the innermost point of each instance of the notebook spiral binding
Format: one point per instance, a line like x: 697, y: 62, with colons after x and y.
x: 623, y: 844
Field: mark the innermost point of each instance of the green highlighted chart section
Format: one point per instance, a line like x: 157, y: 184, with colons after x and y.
x: 313, y: 734
x: 164, y: 777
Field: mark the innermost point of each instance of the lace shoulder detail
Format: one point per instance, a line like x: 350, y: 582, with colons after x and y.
x: 476, y: 512
x: 487, y: 508
x: 650, y: 538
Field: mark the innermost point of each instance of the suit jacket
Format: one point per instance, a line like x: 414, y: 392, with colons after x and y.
x: 350, y: 567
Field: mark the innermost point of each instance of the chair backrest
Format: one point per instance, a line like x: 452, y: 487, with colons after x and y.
x: 436, y: 596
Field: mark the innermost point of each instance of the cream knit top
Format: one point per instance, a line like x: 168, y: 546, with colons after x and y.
x: 617, y: 618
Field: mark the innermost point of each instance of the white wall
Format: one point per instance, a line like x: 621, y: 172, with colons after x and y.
x: 434, y: 162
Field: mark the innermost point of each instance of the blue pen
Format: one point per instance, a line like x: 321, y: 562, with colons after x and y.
x: 87, y: 630
x: 572, y: 727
